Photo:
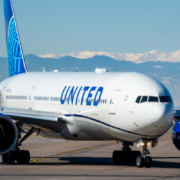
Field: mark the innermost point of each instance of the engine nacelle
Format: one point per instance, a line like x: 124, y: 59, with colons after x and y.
x: 176, y: 135
x: 8, y: 134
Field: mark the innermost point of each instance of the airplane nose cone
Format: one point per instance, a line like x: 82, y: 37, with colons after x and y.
x: 161, y: 114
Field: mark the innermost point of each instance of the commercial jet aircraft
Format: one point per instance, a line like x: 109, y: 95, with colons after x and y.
x: 81, y: 106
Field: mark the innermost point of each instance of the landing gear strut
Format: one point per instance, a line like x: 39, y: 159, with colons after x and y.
x: 144, y: 160
x: 126, y: 155
x: 21, y: 156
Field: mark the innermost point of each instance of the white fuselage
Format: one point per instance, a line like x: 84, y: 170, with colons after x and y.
x: 102, y: 105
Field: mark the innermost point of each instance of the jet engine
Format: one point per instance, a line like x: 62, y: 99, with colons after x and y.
x: 8, y: 134
x: 176, y: 135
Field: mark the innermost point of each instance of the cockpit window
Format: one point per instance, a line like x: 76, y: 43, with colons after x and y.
x: 165, y: 99
x: 138, y: 99
x: 144, y: 99
x: 153, y: 99
x: 170, y: 99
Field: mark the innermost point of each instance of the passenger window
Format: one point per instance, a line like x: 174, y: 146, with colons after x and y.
x: 138, y: 99
x: 144, y: 99
x: 153, y: 99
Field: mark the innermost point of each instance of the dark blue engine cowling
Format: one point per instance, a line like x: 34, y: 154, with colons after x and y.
x: 8, y: 134
x: 176, y: 135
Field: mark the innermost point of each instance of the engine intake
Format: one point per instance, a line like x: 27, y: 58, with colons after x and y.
x: 176, y: 135
x: 8, y: 134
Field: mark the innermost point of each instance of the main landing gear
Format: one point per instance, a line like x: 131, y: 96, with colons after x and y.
x: 127, y: 156
x: 21, y: 156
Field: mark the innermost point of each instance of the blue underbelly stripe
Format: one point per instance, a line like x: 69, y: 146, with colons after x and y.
x: 77, y: 115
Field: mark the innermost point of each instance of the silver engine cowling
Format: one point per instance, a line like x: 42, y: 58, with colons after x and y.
x: 8, y: 134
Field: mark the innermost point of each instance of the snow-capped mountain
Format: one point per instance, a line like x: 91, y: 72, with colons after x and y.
x: 154, y: 55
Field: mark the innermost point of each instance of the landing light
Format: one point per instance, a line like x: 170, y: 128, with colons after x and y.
x: 142, y: 144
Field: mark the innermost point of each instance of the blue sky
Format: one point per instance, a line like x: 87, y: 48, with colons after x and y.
x: 121, y: 26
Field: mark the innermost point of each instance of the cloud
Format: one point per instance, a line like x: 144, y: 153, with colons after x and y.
x: 158, y: 66
x: 153, y: 74
x: 176, y: 87
x: 166, y: 82
x: 167, y: 78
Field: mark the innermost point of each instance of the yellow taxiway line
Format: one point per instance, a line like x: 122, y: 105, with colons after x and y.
x: 36, y: 160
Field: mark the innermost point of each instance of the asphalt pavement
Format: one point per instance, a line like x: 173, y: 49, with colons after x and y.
x: 60, y: 159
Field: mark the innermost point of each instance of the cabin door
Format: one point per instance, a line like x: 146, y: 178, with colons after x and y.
x: 113, y: 103
x: 31, y: 98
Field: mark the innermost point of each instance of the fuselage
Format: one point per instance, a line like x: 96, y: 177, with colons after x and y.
x: 105, y: 106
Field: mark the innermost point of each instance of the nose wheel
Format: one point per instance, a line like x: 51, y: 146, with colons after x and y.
x: 144, y: 160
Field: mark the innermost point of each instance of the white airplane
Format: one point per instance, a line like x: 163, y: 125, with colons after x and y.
x: 81, y: 106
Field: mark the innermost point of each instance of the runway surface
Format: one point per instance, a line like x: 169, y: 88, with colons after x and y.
x: 60, y: 159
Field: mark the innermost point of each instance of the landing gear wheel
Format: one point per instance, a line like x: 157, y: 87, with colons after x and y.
x: 140, y: 161
x: 123, y: 156
x: 23, y: 157
x: 116, y: 157
x: 137, y: 153
x: 5, y: 158
x: 148, y: 162
x: 8, y: 157
x: 133, y: 155
x: 120, y: 157
x: 11, y: 157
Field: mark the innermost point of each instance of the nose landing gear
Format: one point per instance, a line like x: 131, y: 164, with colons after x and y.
x: 144, y: 160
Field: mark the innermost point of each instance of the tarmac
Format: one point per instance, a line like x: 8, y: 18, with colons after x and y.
x: 60, y: 159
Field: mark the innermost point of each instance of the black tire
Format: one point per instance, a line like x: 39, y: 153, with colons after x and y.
x: 26, y: 157
x: 148, y: 162
x: 23, y: 157
x: 132, y: 156
x: 5, y: 158
x: 140, y: 161
x: 115, y: 157
x: 123, y: 156
x: 11, y: 157
x: 8, y: 157
x: 137, y: 153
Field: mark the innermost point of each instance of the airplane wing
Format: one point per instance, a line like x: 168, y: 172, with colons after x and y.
x: 46, y: 121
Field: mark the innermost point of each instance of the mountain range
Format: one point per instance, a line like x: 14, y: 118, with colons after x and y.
x: 154, y: 55
x: 166, y: 72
